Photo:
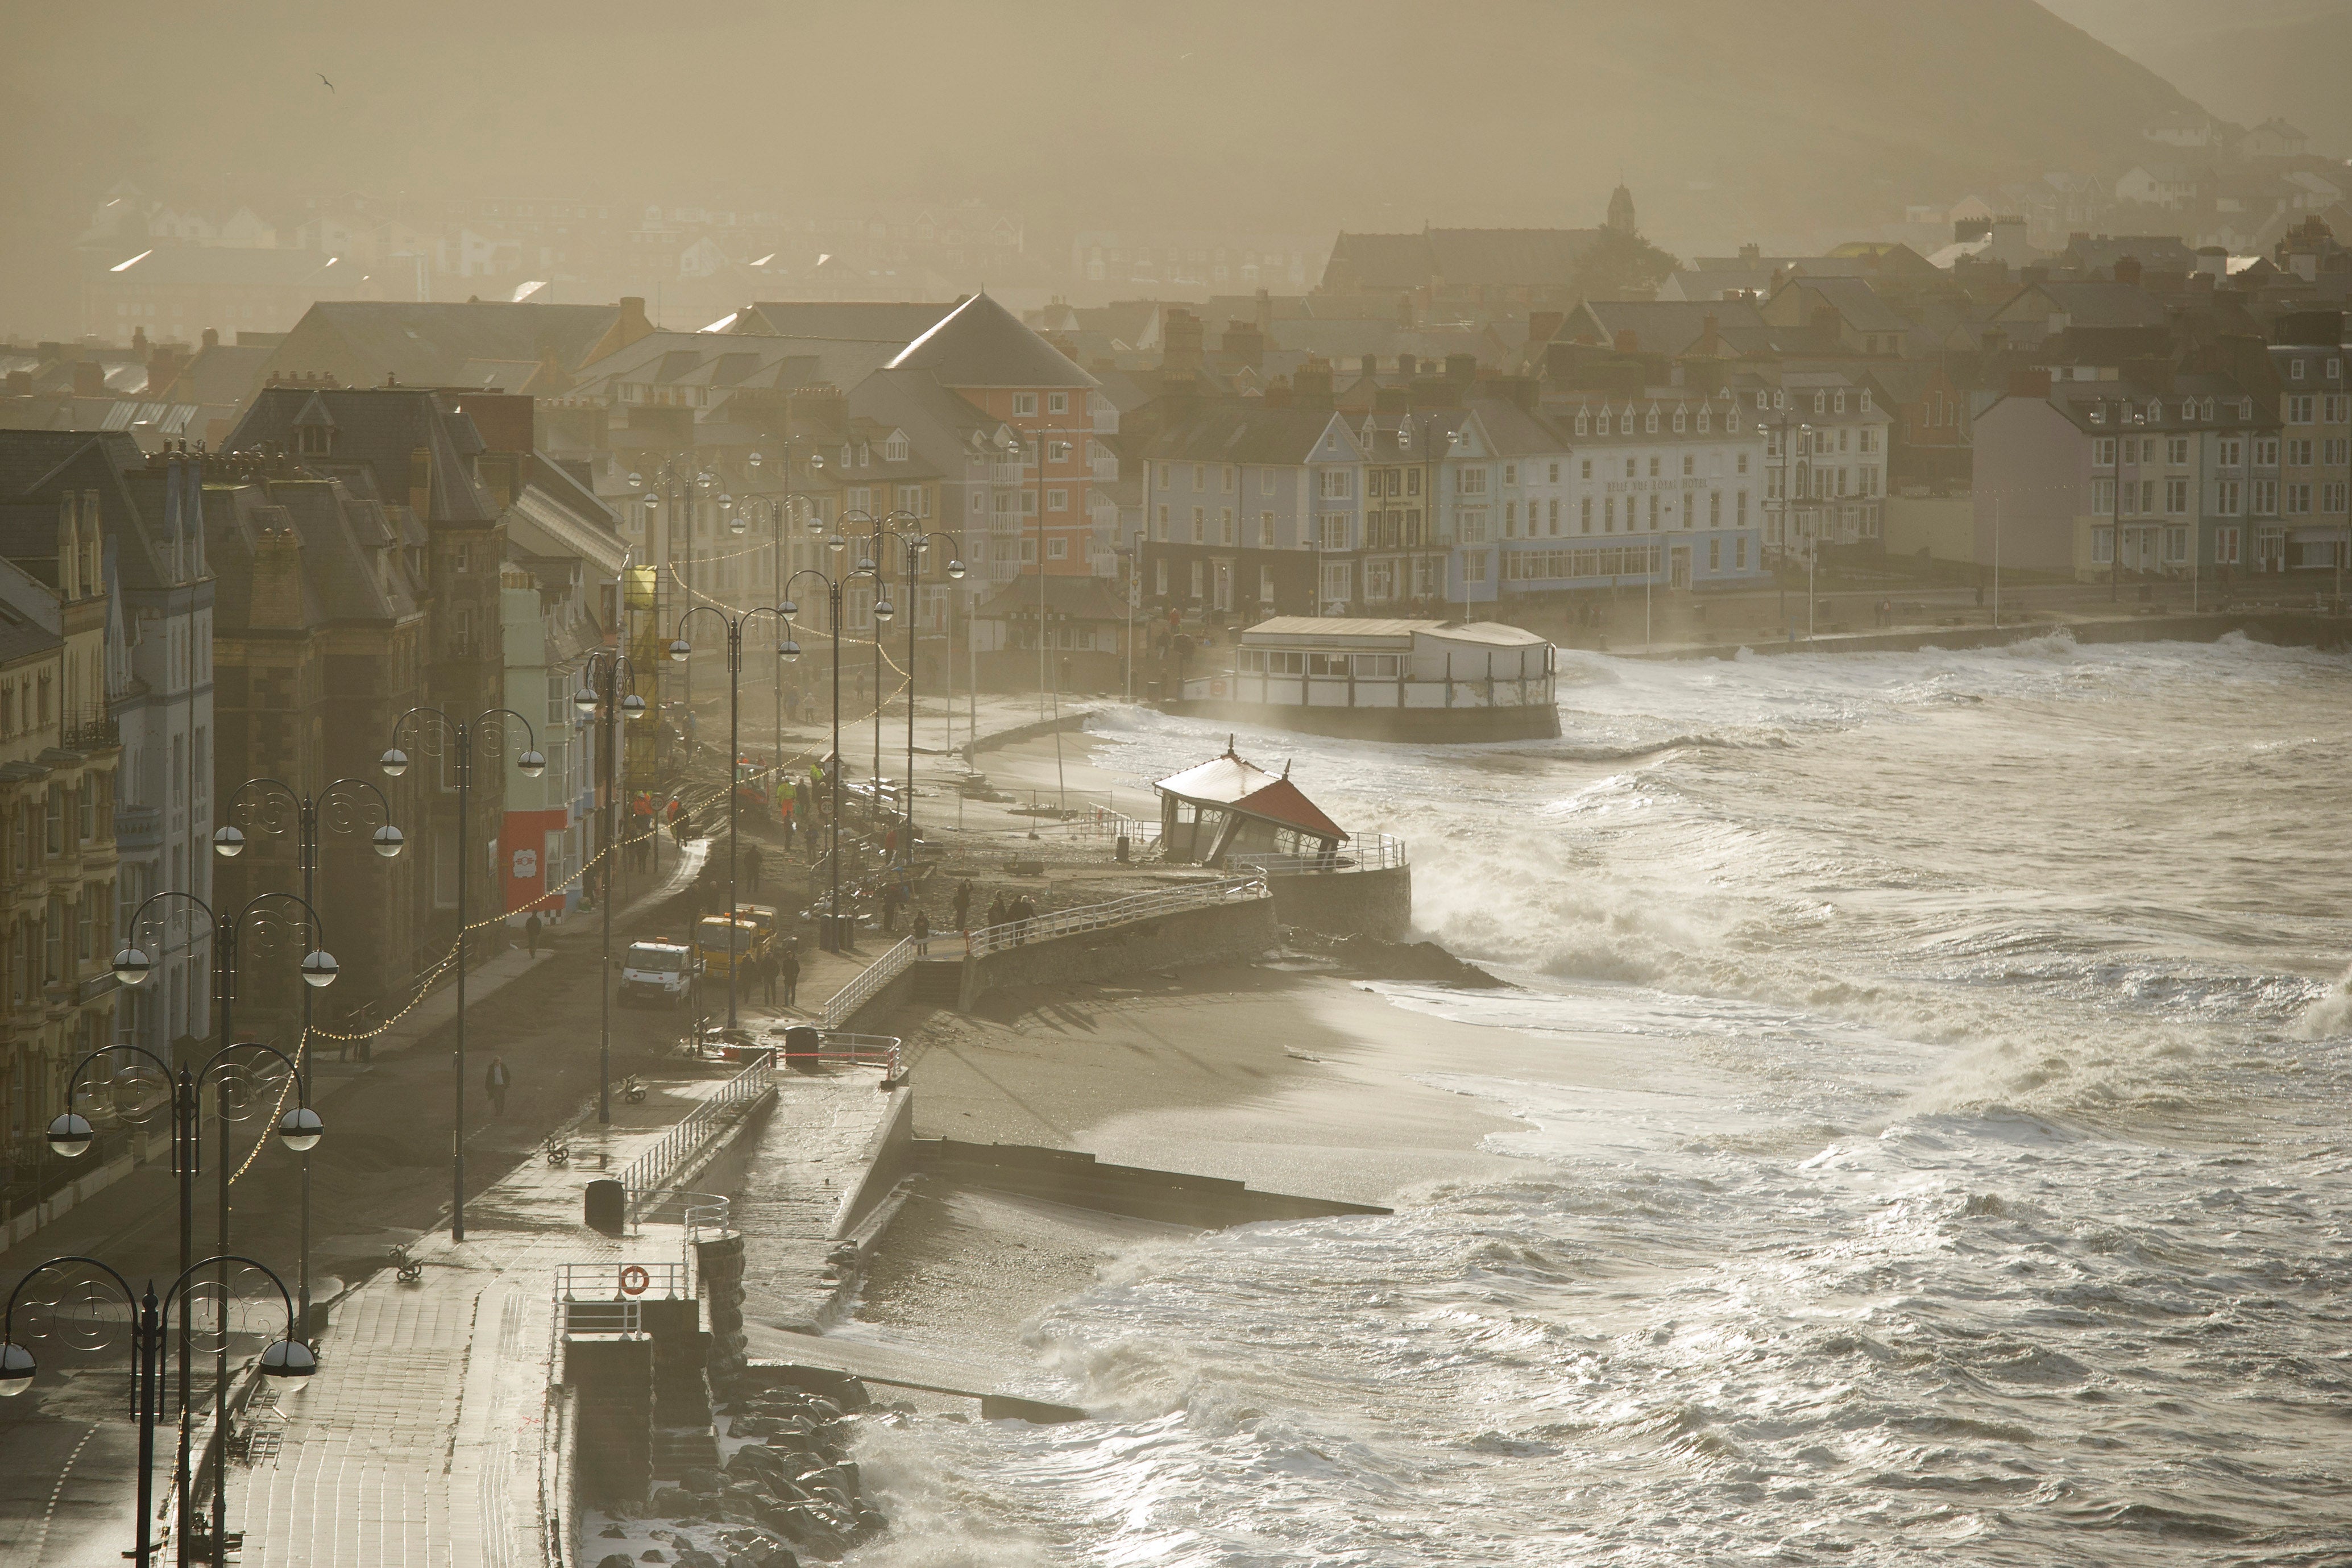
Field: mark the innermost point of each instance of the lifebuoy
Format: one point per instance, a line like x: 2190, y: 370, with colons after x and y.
x: 634, y: 1279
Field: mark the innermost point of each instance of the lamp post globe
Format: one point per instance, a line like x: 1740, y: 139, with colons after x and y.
x: 393, y: 763
x: 320, y: 968
x: 300, y: 1129
x: 738, y: 523
x: 16, y: 1370
x: 388, y: 841
x: 70, y: 1136
x: 955, y: 569
x: 884, y: 609
x: 788, y: 650
x: 287, y: 1358
x: 132, y: 966
x: 681, y: 650
x: 531, y: 765
x: 228, y: 842
x: 637, y: 479
x: 632, y: 706
x: 583, y: 701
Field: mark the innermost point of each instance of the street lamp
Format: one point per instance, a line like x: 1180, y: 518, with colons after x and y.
x: 788, y: 649
x: 587, y: 702
x: 347, y: 805
x: 681, y: 650
x: 395, y: 762
x: 911, y: 548
x: 285, y: 1358
x: 782, y: 515
x: 680, y: 478
x: 70, y: 1136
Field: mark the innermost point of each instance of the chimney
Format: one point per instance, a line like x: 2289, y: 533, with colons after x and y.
x: 1311, y: 384
x: 1462, y: 369
x: 1408, y: 366
x: 1544, y: 325
x: 2128, y: 270
x: 138, y: 341
x: 1404, y: 312
x: 1392, y: 400
x: 1278, y: 393
x: 504, y: 419
x: 2029, y: 383
x: 1265, y: 314
x: 1708, y: 329
x: 20, y: 384
x: 1751, y: 254
x: 420, y: 482
x: 632, y: 322
x: 1180, y: 341
x: 1242, y: 348
x: 1825, y: 322
x: 163, y: 369
x: 276, y: 601
x: 1627, y: 341
x: 211, y: 337
x: 88, y: 378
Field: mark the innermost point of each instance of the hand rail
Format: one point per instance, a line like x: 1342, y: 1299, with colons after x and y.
x: 882, y: 1051
x: 844, y: 1002
x: 1365, y: 852
x: 645, y: 1175
x: 1116, y: 911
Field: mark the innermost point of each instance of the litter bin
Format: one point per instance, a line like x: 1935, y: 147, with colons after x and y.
x: 801, y: 1043
x: 607, y: 1207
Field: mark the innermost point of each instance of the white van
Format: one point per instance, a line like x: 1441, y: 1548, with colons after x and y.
x: 657, y: 971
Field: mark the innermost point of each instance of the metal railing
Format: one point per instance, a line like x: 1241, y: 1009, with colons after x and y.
x: 882, y: 1051
x: 1100, y: 822
x: 1365, y: 852
x: 1117, y: 912
x: 646, y: 1176
x: 844, y: 1002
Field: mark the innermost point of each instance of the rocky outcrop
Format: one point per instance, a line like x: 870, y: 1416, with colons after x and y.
x: 793, y: 1490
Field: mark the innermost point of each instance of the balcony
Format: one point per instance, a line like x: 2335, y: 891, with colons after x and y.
x: 138, y: 828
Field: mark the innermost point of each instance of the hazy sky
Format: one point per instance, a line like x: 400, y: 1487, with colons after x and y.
x: 1789, y: 123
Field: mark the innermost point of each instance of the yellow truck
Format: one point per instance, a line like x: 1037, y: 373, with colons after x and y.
x: 721, y: 944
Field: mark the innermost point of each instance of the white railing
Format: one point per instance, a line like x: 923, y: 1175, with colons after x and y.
x: 844, y: 1002
x: 1365, y: 852
x: 645, y: 1176
x: 838, y: 1045
x: 1100, y: 822
x: 1117, y: 911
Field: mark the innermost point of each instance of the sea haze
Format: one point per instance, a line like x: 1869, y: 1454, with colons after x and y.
x: 1970, y: 1184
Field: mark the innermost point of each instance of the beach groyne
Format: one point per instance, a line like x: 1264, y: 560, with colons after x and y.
x: 1377, y: 903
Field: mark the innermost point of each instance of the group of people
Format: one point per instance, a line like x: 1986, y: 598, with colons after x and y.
x: 777, y: 969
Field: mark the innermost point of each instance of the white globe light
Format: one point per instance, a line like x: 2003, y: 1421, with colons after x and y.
x: 300, y: 1129
x: 531, y: 765
x: 633, y: 707
x: 287, y: 1358
x: 738, y: 523
x: 583, y: 701
x: 635, y: 478
x: 788, y: 650
x: 228, y: 842
x: 955, y: 569
x: 388, y: 841
x: 132, y: 966
x: 679, y: 651
x: 70, y: 1136
x: 393, y: 763
x: 753, y: 459
x: 320, y: 969
x: 884, y: 610
x: 15, y: 1370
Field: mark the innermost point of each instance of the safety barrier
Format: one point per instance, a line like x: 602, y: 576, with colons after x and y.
x: 1117, y: 912
x: 844, y: 1002
x: 645, y: 1176
x: 1364, y: 852
x: 840, y: 1048
x: 606, y: 1298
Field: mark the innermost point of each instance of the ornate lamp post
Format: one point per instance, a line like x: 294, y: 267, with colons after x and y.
x: 287, y: 1357
x: 681, y: 651
x: 791, y: 649
x: 265, y: 802
x: 395, y: 762
x: 678, y: 480
x: 70, y: 1136
x: 587, y: 702
x: 912, y: 547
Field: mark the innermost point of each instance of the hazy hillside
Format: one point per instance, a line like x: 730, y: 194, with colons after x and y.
x: 1786, y: 123
x: 2246, y: 60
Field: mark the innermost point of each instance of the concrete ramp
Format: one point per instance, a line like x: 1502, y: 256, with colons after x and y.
x: 887, y: 1367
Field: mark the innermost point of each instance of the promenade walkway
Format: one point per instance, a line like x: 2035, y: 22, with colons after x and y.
x: 422, y: 1438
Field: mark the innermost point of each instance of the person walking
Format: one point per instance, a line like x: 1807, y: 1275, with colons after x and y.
x: 892, y: 896
x: 963, y: 905
x: 789, y: 972
x: 495, y: 1081
x: 999, y: 910
x: 1023, y: 911
x: 530, y: 936
x: 921, y: 930
x: 770, y: 964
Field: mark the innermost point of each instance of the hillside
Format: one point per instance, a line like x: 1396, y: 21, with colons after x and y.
x: 2246, y: 61
x: 1785, y: 124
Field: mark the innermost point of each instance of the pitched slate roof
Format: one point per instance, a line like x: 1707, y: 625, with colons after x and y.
x: 980, y: 343
x: 871, y: 321
x: 1075, y: 597
x: 376, y: 429
x: 1243, y: 432
x: 1669, y: 326
x: 1855, y: 301
x: 429, y: 344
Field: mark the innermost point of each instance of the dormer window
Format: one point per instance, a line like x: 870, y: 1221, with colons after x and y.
x: 314, y: 440
x: 2295, y: 370
x: 2206, y: 410
x: 1840, y: 402
x: 1705, y: 423
x: 1821, y: 403
x: 1865, y: 400
x: 1650, y: 423
x: 1679, y: 424
x: 1760, y: 402
x: 895, y: 450
x: 1604, y: 422
x: 1583, y: 421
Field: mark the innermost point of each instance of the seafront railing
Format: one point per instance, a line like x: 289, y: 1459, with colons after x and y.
x: 1114, y: 912
x: 844, y: 1003
x: 1364, y: 852
x: 649, y: 1174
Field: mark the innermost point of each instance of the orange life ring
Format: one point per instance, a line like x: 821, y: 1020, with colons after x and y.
x: 634, y: 1279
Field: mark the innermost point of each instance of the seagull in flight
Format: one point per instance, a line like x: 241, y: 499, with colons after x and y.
x: 322, y: 77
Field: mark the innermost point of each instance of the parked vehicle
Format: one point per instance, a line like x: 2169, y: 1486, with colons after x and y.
x: 720, y: 944
x: 658, y: 972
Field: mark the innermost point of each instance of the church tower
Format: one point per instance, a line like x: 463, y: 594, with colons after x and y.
x: 1620, y: 210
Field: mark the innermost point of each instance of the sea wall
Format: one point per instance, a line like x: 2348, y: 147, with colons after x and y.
x: 888, y: 1160
x: 2281, y: 628
x: 1242, y: 930
x: 1347, y: 903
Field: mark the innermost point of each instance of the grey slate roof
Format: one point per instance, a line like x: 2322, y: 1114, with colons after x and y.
x: 428, y: 344
x: 1242, y: 432
x: 880, y: 321
x: 376, y: 428
x: 980, y: 343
